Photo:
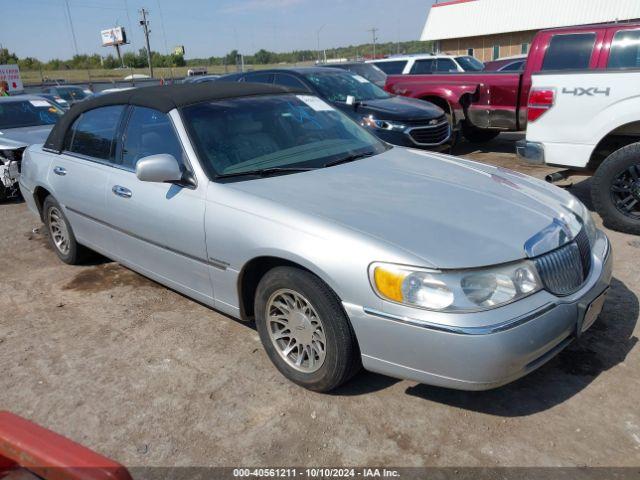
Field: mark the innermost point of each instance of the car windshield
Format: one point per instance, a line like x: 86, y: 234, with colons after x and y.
x: 470, y: 64
x: 274, y: 132
x: 28, y: 113
x: 72, y: 94
x: 337, y: 86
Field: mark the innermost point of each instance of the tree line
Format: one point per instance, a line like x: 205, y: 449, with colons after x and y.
x: 261, y: 57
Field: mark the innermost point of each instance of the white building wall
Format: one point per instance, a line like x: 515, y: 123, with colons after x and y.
x: 470, y: 18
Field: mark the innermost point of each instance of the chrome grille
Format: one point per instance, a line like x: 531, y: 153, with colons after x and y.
x: 430, y: 135
x: 564, y: 270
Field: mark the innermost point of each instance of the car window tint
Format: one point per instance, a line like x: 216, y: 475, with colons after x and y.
x: 625, y: 50
x: 149, y: 132
x: 95, y: 132
x: 445, y: 65
x: 422, y: 66
x: 392, y: 68
x: 569, y: 52
x: 259, y: 78
x: 289, y: 81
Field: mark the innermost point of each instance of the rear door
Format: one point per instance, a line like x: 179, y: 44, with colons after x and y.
x: 79, y: 174
x: 158, y: 228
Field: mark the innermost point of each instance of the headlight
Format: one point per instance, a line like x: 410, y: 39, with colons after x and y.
x: 374, y: 123
x: 455, y: 290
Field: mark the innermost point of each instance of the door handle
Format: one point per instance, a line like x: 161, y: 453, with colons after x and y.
x: 121, y: 191
x: 60, y: 171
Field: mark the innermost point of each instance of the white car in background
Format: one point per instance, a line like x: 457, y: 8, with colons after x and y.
x: 427, y: 63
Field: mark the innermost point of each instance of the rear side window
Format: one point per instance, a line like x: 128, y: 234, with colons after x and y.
x: 569, y: 52
x: 392, y: 68
x: 259, y: 78
x: 625, y: 50
x: 289, y: 81
x: 513, y: 67
x: 149, y: 132
x: 94, y: 133
x: 422, y: 67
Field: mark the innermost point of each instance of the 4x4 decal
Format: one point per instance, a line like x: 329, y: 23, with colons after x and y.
x: 590, y: 92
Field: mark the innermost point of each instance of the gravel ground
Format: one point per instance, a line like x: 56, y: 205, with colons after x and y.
x: 149, y: 377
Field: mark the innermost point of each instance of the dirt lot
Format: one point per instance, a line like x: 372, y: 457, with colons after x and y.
x: 149, y: 377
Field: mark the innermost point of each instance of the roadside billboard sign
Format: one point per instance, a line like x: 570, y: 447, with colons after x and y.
x: 11, y: 75
x: 113, y: 36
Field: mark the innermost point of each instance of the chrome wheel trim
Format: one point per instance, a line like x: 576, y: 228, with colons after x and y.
x: 58, y: 230
x: 296, y: 330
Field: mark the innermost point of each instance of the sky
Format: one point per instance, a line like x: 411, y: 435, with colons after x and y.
x: 40, y: 28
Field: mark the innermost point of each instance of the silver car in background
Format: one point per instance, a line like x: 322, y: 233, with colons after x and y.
x: 24, y: 120
x: 272, y: 206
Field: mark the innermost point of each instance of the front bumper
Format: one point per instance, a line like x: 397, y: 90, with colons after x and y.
x: 522, y: 337
x: 530, y: 152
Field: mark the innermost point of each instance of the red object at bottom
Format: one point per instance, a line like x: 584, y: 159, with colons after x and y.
x: 49, y: 455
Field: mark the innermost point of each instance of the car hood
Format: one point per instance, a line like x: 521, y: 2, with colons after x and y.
x: 25, y: 136
x: 400, y: 109
x: 448, y: 212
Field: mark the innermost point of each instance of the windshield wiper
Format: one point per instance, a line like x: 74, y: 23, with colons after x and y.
x: 265, y: 172
x: 347, y: 159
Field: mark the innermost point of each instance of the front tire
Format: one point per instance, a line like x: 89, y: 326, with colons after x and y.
x: 477, y: 135
x: 615, y: 190
x: 304, y: 330
x: 61, y: 236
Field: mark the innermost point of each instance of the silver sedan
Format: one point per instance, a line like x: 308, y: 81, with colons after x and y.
x: 272, y: 206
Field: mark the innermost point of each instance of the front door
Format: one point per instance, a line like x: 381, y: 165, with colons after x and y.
x: 158, y: 228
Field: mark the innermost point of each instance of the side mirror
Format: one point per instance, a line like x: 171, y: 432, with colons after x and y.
x: 161, y: 168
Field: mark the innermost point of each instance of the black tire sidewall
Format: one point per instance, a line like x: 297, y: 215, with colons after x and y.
x: 72, y: 256
x: 477, y: 135
x: 605, y: 175
x: 341, y: 351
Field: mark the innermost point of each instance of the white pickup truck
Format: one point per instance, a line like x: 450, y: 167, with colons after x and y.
x: 589, y: 121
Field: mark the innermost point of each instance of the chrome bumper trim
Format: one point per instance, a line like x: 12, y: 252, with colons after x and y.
x: 485, y: 330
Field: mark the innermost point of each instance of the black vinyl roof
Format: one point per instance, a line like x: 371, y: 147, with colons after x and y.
x: 162, y: 98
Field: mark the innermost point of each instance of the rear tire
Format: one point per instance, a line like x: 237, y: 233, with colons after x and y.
x: 478, y: 135
x: 298, y: 317
x: 615, y: 190
x: 61, y: 236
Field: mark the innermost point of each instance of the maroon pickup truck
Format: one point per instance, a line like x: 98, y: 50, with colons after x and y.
x: 483, y: 104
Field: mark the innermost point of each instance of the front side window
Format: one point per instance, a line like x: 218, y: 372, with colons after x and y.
x: 625, y: 50
x: 72, y: 94
x: 94, y: 133
x: 470, y: 64
x: 337, y: 86
x: 276, y: 131
x: 445, y: 65
x: 149, y: 132
x: 569, y: 52
x: 421, y: 67
x: 395, y: 67
x: 28, y: 113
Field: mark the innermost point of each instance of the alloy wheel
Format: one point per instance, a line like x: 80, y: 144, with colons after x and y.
x: 296, y: 330
x: 58, y: 230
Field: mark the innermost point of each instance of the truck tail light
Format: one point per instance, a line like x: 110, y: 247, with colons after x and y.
x: 540, y: 101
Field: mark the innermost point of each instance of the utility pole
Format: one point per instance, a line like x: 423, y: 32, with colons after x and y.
x: 318, y: 34
x: 144, y: 23
x: 373, y: 31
